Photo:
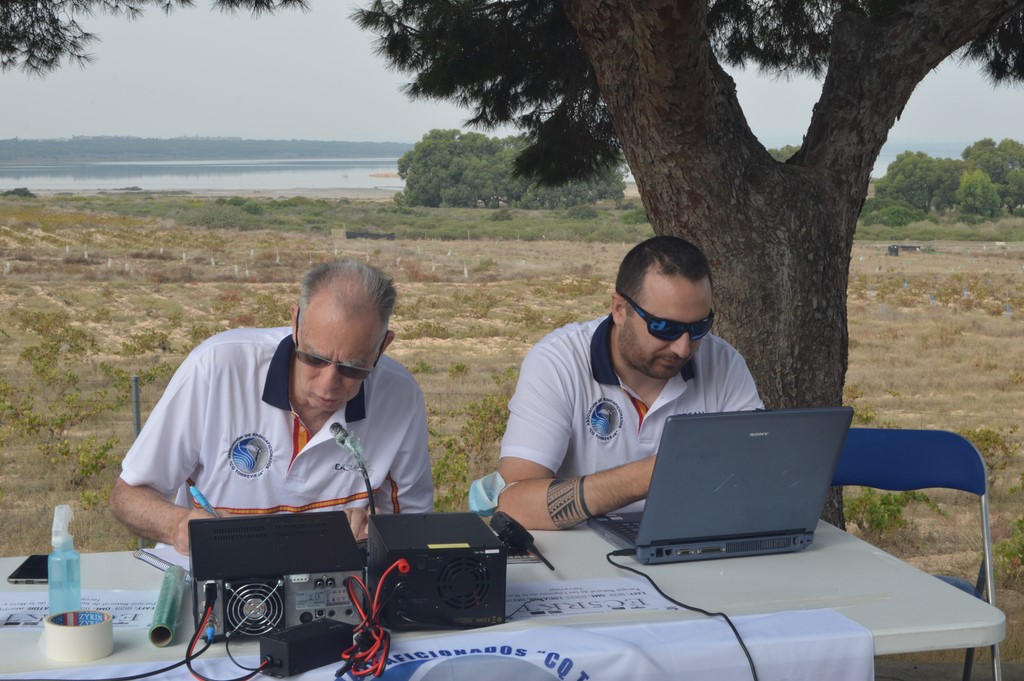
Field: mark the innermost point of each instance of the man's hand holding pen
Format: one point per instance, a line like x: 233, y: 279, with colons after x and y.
x: 181, y: 528
x: 200, y: 499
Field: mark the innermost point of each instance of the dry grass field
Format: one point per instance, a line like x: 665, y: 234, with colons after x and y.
x: 88, y: 300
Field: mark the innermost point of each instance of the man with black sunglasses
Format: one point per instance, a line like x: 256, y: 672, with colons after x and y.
x: 248, y: 417
x: 592, y: 398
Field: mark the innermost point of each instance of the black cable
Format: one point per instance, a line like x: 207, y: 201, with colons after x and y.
x: 189, y: 656
x: 246, y: 677
x: 369, y: 488
x: 143, y: 675
x: 227, y: 649
x: 210, y: 590
x: 693, y: 608
x: 371, y: 642
x: 211, y: 596
x: 424, y: 624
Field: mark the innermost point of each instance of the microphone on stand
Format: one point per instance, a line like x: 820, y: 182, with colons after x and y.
x: 350, y: 442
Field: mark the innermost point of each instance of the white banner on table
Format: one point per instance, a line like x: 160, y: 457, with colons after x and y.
x: 796, y: 646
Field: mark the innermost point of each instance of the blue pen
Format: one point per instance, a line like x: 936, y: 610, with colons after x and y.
x: 201, y: 500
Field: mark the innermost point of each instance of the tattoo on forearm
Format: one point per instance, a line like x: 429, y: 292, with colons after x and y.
x: 566, y: 504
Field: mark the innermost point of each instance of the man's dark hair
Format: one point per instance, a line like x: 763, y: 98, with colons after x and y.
x: 668, y: 255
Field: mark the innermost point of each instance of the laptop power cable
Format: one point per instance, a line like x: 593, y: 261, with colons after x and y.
x: 692, y: 608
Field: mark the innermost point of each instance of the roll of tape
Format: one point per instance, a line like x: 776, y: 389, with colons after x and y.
x: 79, y: 635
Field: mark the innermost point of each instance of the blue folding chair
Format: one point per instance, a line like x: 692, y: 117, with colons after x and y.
x: 905, y: 460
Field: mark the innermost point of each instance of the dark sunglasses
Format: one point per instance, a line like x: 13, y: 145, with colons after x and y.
x: 668, y: 329
x: 344, y: 368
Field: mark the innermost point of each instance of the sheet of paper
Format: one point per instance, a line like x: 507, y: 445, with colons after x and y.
x: 581, y: 597
x: 131, y: 609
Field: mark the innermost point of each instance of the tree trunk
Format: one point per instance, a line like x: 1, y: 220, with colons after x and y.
x: 779, y: 236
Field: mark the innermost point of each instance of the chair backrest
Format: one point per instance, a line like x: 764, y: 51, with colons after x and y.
x: 901, y: 460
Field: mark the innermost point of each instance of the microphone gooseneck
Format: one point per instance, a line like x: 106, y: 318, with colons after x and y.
x: 350, y: 442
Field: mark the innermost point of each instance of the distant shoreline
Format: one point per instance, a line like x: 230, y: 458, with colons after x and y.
x: 362, y: 193
x: 367, y: 193
x: 143, y: 150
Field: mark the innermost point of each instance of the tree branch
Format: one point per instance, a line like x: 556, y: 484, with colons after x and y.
x: 38, y: 36
x: 874, y: 67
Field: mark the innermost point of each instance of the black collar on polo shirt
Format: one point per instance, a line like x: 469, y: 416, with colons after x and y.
x: 601, y: 356
x: 275, y: 390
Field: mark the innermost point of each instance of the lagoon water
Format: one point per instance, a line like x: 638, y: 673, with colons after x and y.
x: 286, y: 175
x: 248, y: 175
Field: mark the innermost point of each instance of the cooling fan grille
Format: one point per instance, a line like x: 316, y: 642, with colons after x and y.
x: 253, y: 608
x: 463, y: 583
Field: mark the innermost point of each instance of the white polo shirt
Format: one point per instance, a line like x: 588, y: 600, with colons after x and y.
x: 225, y: 422
x: 571, y: 414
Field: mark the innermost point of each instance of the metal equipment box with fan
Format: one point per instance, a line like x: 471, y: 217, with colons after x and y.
x: 457, y: 570
x: 273, y: 572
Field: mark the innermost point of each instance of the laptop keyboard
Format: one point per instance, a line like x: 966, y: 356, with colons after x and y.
x: 628, y: 529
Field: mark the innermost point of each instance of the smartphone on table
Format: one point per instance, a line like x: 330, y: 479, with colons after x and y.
x: 31, y: 571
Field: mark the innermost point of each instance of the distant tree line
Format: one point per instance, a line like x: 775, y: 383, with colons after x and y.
x: 985, y: 183
x: 455, y: 169
x: 97, y: 149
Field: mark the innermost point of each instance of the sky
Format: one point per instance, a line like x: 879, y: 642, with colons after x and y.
x: 314, y: 75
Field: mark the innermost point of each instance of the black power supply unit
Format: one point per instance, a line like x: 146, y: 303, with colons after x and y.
x: 306, y: 646
x: 456, y: 576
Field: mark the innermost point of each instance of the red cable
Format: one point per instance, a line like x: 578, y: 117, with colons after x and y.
x: 371, y: 643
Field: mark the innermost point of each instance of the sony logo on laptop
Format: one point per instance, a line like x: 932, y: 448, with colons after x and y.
x: 759, y: 434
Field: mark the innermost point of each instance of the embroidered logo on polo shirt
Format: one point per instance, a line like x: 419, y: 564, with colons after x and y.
x: 250, y: 455
x: 604, y: 420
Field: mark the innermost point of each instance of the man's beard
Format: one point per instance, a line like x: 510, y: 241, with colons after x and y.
x: 652, y: 366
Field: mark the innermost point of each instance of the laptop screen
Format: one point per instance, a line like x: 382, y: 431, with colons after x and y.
x: 741, y: 476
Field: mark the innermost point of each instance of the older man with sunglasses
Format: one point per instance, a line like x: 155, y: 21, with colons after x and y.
x: 592, y: 398
x: 247, y: 419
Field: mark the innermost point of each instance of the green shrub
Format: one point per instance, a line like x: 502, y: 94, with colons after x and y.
x: 421, y: 367
x: 892, y: 212
x: 635, y: 217
x: 1009, y: 557
x: 474, y: 450
x: 880, y: 514
x: 582, y: 212
x: 146, y: 341
x: 996, y: 448
x: 52, y: 414
x: 427, y: 330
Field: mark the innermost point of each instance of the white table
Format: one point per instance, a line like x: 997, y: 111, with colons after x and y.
x: 905, y: 609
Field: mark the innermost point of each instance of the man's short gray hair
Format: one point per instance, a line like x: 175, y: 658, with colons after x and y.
x: 341, y: 274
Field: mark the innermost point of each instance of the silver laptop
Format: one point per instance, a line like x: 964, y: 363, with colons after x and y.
x: 734, y: 484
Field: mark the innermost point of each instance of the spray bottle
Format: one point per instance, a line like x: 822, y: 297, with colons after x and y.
x: 63, y: 566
